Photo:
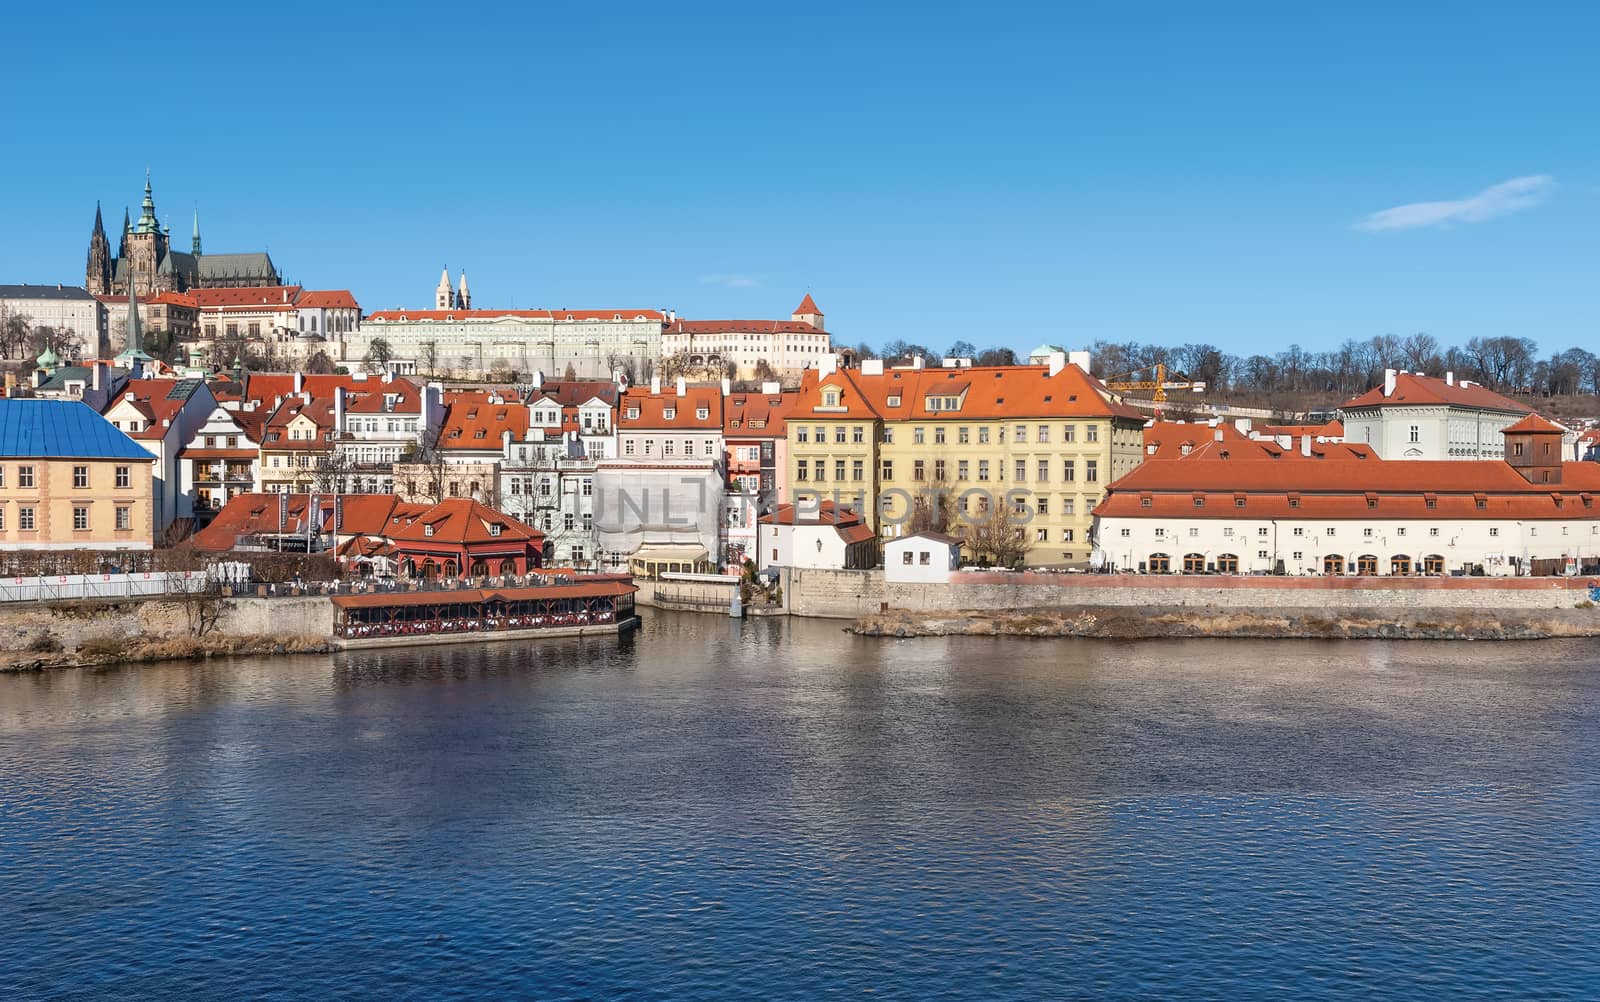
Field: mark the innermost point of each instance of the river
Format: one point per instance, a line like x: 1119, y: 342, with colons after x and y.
x: 774, y: 809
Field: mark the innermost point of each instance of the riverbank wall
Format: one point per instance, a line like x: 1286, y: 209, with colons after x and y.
x: 831, y: 594
x: 95, y: 631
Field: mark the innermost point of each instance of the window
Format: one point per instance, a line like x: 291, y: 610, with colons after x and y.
x: 1022, y: 471
x: 1494, y: 530
x: 858, y: 435
x: 1328, y: 531
x: 1366, y: 533
x: 905, y: 558
x: 2, y: 476
x: 1069, y: 433
x: 1044, y: 470
x: 1160, y: 563
x: 800, y: 434
x: 1228, y: 563
x: 916, y: 436
x: 1066, y: 506
x: 25, y: 518
x: 983, y: 436
x: 1091, y: 469
x: 1069, y: 471
x: 888, y: 469
x: 858, y: 470
x: 961, y: 436
x: 1262, y: 531
x: 1066, y: 535
x: 702, y: 413
x: 1299, y: 530
x: 567, y: 520
x: 820, y: 433
x: 888, y: 435
x: 1044, y: 433
x: 1401, y: 531
x: 1126, y: 533
x: 1227, y: 530
x: 80, y: 477
x: 2, y: 519
x: 838, y: 434
x: 838, y: 470
x: 938, y: 435
x: 80, y: 517
x: 1091, y: 433
x: 963, y: 468
x: 819, y: 470
x: 1299, y: 554
x: 1194, y: 532
x: 1020, y: 435
x: 1434, y: 531
x: 1416, y: 433
x: 1199, y: 502
x: 1041, y: 536
x: 1042, y: 506
x: 1261, y: 554
x: 25, y: 476
x: 919, y: 471
x: 801, y: 471
x: 983, y: 469
x: 938, y: 470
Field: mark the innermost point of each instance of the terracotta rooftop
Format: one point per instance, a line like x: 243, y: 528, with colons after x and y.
x: 1413, y: 389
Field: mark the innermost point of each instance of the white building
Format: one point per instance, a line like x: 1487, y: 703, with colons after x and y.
x: 1412, y: 416
x: 64, y: 307
x: 816, y: 534
x: 788, y: 347
x: 921, y: 558
x: 164, y: 415
x: 1296, y: 514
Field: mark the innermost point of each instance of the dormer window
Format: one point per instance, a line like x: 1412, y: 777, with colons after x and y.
x: 427, y: 530
x: 702, y: 413
x: 633, y: 413
x: 894, y: 400
x: 670, y: 414
x: 830, y: 398
x: 494, y: 530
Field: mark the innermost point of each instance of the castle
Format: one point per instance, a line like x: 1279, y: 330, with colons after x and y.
x: 146, y: 259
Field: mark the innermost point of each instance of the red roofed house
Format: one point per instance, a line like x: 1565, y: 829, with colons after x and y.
x: 755, y: 444
x: 1412, y: 416
x: 1352, y: 513
x: 816, y: 534
x: 163, y: 415
x: 786, y: 347
x: 548, y: 473
x: 460, y: 537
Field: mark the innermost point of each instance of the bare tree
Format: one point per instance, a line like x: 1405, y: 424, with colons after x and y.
x: 999, y: 536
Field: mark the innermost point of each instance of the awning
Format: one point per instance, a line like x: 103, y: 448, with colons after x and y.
x: 670, y: 554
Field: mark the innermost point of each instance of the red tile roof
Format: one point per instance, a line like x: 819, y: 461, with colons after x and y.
x: 150, y: 398
x: 458, y: 520
x: 756, y: 415
x: 250, y: 514
x: 741, y: 327
x: 279, y: 296
x: 399, y: 315
x: 1412, y: 389
x: 653, y: 409
x: 328, y: 299
x: 1533, y: 424
x: 986, y: 392
x: 808, y: 305
x: 472, y: 422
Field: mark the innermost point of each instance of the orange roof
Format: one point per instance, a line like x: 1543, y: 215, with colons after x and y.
x: 328, y: 299
x: 1333, y: 429
x: 808, y: 305
x: 1413, y: 389
x: 572, y: 392
x: 472, y: 422
x: 457, y: 520
x: 249, y: 514
x: 983, y: 392
x: 825, y: 512
x: 260, y: 295
x: 666, y: 411
x: 407, y: 315
x: 587, y: 586
x: 756, y: 415
x: 1533, y: 424
x: 150, y: 397
x: 1346, y: 488
x: 741, y: 327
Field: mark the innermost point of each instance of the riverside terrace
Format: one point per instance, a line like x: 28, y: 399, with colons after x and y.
x: 560, y: 606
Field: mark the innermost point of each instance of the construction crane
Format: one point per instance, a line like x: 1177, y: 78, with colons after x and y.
x: 1160, y: 384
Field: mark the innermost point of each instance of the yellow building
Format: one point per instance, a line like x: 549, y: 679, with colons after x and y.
x: 69, y: 480
x: 1044, y: 440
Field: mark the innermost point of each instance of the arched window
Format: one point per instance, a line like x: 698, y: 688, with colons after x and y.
x: 1228, y: 563
x: 1194, y: 563
x: 1433, y: 563
x: 1160, y: 563
x: 1400, y: 565
x: 1367, y: 564
x: 450, y: 568
x: 1333, y: 563
x: 429, y: 569
x: 480, y: 569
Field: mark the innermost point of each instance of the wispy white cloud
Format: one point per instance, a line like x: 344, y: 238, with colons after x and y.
x: 731, y: 281
x: 1492, y: 202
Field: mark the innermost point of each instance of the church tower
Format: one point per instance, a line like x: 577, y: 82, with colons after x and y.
x: 194, y: 246
x: 442, y: 299
x: 147, y: 247
x: 463, y: 297
x: 97, y: 276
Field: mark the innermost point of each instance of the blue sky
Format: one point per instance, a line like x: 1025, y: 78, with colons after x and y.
x: 1001, y: 174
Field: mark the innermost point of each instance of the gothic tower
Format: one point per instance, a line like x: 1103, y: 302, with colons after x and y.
x: 147, y: 248
x: 195, y: 244
x: 463, y: 298
x: 442, y: 298
x: 97, y: 276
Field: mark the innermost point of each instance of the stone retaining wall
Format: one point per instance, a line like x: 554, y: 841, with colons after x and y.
x: 73, y: 624
x: 848, y: 594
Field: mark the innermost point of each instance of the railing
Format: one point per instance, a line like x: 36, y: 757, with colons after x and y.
x: 63, y: 587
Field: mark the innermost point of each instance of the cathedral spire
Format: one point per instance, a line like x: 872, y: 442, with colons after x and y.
x: 196, y: 244
x: 133, y: 356
x: 99, y: 224
x: 147, y: 210
x: 442, y: 297
x: 463, y: 297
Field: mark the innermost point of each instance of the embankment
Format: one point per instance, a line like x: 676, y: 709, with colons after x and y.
x: 1125, y: 623
x: 89, y: 632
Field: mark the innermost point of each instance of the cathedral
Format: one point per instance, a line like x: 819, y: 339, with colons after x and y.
x: 146, y: 259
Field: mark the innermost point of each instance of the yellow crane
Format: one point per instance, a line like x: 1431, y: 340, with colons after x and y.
x: 1160, y: 384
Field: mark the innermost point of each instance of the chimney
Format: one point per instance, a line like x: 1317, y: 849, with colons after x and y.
x: 1305, y: 445
x: 1217, y: 435
x: 655, y: 386
x: 1243, y: 425
x: 338, y: 408
x: 827, y: 365
x: 918, y: 362
x: 772, y: 389
x: 948, y: 363
x: 388, y: 375
x: 727, y: 386
x: 1450, y: 379
x: 1388, y: 382
x: 1079, y: 358
x: 538, y: 378
x: 299, y: 382
x: 683, y: 386
x: 1057, y: 361
x: 872, y: 366
x: 305, y: 395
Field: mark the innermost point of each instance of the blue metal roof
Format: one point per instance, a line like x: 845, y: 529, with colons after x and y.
x: 61, y: 429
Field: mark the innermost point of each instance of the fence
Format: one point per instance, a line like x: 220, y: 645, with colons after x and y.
x: 60, y: 587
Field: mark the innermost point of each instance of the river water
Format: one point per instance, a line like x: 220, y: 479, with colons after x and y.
x: 772, y: 809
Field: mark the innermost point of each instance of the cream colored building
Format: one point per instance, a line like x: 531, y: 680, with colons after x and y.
x: 1044, y: 440
x: 69, y: 480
